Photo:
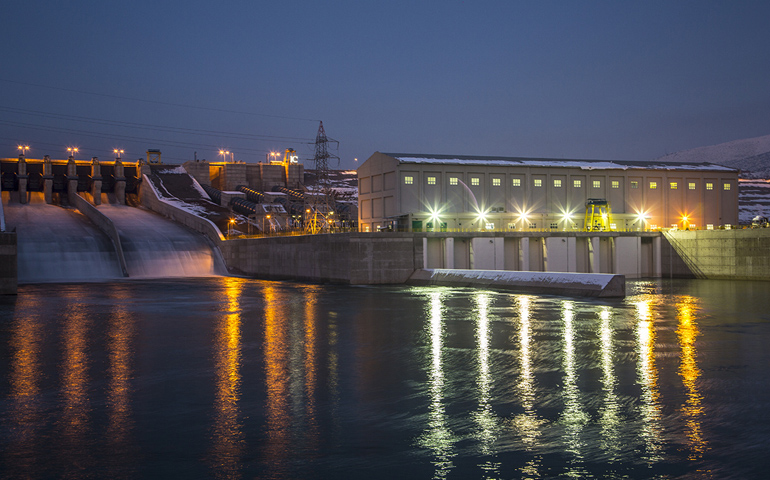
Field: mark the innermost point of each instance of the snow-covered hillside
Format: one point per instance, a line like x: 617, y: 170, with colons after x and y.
x: 750, y: 155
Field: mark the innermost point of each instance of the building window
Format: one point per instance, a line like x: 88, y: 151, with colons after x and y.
x: 727, y: 186
x: 615, y: 184
x: 634, y: 184
x: 533, y: 225
x: 597, y: 184
x: 691, y: 185
x: 495, y: 182
x: 475, y: 181
x: 538, y: 182
x: 554, y: 226
x: 453, y: 180
x: 431, y: 180
x: 516, y: 182
x: 557, y: 183
x: 408, y: 180
x: 674, y: 185
x: 709, y: 186
x: 653, y: 185
x: 577, y: 183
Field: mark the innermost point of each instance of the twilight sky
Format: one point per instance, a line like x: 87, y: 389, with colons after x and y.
x: 565, y: 79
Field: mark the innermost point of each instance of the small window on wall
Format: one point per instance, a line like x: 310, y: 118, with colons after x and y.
x: 577, y: 183
x: 674, y: 185
x: 653, y: 185
x: 431, y: 180
x: 554, y: 226
x: 516, y: 182
x: 709, y: 186
x: 538, y: 182
x: 615, y: 184
x: 691, y: 185
x: 557, y: 183
x: 408, y: 180
x: 634, y: 184
x: 475, y: 181
x: 453, y: 180
x: 727, y: 186
x: 495, y: 182
x: 597, y: 184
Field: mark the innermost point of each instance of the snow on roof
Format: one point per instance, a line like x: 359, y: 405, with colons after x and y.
x: 552, y: 162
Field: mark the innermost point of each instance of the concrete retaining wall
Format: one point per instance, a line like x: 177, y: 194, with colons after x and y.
x: 104, y: 224
x: 8, y: 267
x: 724, y: 254
x: 346, y: 258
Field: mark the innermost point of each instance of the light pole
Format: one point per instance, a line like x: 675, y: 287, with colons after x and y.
x: 224, y: 154
x: 24, y: 149
x: 267, y: 217
x: 118, y: 153
x: 72, y: 151
x: 229, y: 228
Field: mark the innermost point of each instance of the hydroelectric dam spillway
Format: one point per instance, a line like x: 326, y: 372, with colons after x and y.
x: 56, y: 244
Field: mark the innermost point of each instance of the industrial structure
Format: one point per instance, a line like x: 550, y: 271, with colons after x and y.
x: 414, y: 192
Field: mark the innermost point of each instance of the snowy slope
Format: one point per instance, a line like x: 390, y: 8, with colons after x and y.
x: 750, y: 155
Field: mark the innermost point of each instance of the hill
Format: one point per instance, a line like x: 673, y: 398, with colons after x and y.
x: 750, y: 155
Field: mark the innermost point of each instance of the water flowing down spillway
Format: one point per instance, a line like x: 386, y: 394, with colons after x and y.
x: 155, y: 247
x: 55, y: 244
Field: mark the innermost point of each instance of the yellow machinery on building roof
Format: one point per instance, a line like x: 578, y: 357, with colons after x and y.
x: 598, y: 215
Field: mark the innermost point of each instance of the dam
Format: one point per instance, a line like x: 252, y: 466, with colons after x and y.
x: 155, y: 221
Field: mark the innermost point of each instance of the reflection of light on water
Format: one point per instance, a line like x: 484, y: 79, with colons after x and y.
x: 25, y: 376
x: 689, y: 371
x: 527, y: 424
x: 573, y: 417
x: 227, y: 435
x: 485, y: 418
x: 648, y: 380
x: 311, y: 364
x: 277, y: 379
x: 610, y: 410
x: 437, y: 437
x: 119, y: 337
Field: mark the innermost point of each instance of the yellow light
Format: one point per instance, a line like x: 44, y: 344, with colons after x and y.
x: 268, y: 217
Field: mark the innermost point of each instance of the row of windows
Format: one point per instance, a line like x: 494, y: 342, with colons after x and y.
x: 557, y: 183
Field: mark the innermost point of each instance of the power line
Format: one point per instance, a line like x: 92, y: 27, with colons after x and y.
x: 171, y: 104
x: 118, y: 123
x: 170, y: 143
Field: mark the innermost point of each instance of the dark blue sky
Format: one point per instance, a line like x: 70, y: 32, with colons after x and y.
x: 604, y: 80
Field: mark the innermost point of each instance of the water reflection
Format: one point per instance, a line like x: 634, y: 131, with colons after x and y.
x: 486, y: 420
x: 120, y: 335
x: 277, y: 377
x: 311, y: 368
x: 74, y: 422
x: 438, y: 437
x: 574, y: 418
x: 647, y: 375
x: 25, y: 378
x: 527, y: 424
x: 687, y: 332
x: 610, y: 420
x: 227, y: 435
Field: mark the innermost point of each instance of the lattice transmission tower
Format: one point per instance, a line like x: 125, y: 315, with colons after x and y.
x: 320, y: 211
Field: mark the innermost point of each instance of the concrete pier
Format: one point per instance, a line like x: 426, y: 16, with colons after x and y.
x: 577, y: 284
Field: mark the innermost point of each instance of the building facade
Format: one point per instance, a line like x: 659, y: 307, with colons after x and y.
x: 412, y: 192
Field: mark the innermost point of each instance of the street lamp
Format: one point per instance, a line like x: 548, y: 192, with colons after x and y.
x: 72, y: 151
x: 267, y: 217
x: 118, y: 152
x: 229, y: 228
x: 224, y: 154
x: 24, y: 149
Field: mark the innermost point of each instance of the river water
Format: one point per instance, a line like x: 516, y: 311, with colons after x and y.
x: 233, y: 378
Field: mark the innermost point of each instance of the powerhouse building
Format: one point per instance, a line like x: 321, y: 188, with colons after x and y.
x: 418, y: 192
